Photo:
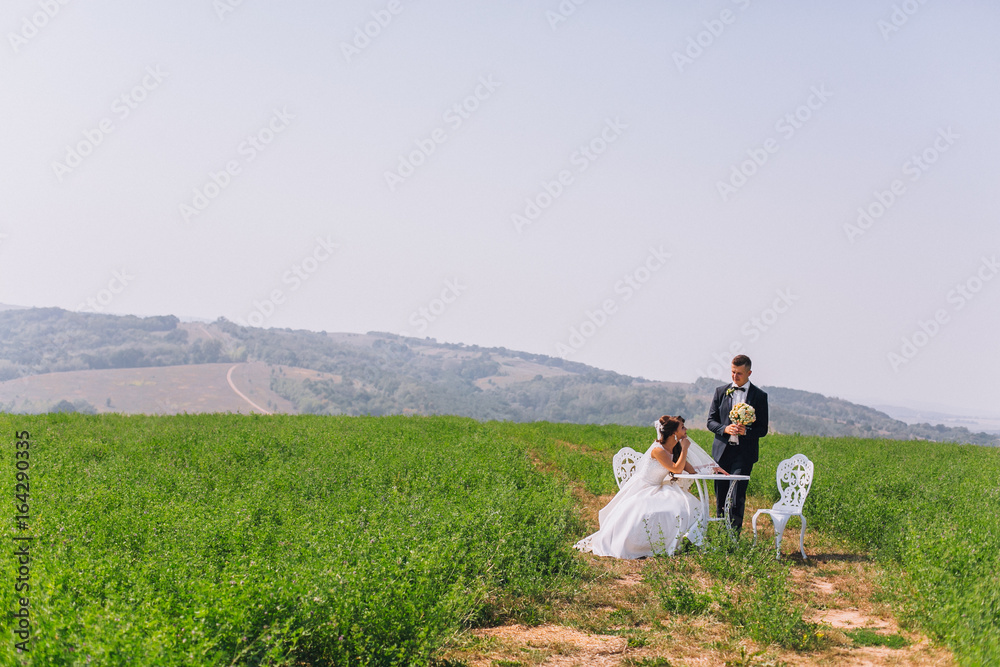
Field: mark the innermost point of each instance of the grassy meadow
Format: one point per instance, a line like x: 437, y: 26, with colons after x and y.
x: 306, y: 540
x: 219, y: 540
x: 930, y: 510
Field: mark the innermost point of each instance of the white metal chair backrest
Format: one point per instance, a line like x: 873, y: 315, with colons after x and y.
x: 624, y: 463
x: 794, y: 476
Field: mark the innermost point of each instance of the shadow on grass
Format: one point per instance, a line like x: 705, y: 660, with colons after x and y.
x: 838, y: 558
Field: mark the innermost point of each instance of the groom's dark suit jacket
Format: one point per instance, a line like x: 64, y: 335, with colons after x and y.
x: 718, y: 420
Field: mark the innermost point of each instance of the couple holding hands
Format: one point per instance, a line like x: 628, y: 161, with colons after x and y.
x: 653, y: 510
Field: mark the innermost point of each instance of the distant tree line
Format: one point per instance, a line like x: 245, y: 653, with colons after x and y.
x: 381, y: 374
x: 51, y: 340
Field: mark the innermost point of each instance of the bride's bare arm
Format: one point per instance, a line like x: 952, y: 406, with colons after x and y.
x: 663, y: 456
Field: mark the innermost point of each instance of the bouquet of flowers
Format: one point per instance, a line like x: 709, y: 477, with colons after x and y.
x: 742, y: 414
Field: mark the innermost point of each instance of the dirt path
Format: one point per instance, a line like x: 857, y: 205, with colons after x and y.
x: 614, y: 618
x: 229, y: 379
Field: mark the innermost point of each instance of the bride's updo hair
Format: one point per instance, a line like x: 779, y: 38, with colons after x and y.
x: 666, y: 427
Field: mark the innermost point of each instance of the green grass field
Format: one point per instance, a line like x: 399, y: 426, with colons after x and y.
x: 300, y: 540
x: 217, y: 540
x: 933, y: 509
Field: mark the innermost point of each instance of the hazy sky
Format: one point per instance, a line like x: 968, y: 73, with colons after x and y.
x: 640, y: 186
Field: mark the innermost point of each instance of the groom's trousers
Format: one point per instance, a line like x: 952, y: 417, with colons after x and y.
x: 732, y: 463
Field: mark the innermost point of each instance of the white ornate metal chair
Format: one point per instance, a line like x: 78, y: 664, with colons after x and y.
x: 624, y: 464
x: 795, y: 476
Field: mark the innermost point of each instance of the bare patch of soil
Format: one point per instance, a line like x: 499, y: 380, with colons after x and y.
x: 554, y: 645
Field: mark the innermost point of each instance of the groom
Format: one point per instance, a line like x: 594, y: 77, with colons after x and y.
x: 738, y: 458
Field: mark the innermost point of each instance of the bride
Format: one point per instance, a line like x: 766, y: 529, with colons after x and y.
x: 652, y: 511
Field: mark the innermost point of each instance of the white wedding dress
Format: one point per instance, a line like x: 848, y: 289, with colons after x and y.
x: 650, y: 513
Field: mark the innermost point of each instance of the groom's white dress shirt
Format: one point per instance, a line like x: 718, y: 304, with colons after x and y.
x: 739, y: 396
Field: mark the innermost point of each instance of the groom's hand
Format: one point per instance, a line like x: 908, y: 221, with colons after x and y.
x: 736, y: 429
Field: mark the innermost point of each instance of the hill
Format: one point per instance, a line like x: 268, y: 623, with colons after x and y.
x: 52, y: 359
